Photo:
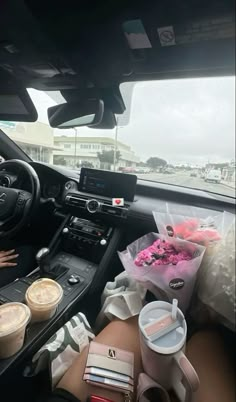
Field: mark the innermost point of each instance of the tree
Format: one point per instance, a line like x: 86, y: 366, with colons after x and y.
x: 108, y: 156
x: 154, y: 162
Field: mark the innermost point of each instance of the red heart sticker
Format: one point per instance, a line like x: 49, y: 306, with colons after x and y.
x: 118, y: 202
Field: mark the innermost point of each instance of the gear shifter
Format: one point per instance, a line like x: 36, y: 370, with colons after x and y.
x: 42, y: 258
x: 46, y: 269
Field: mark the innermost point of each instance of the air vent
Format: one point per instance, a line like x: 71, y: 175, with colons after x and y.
x: 102, y: 206
x: 105, y: 202
x: 112, y: 210
x: 75, y: 201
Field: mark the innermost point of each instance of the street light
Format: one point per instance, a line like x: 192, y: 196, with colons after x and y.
x: 115, y: 149
x: 75, y: 129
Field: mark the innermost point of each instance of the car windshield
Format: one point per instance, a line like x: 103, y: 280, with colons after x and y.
x: 180, y: 132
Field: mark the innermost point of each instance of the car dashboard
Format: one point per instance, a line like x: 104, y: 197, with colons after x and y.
x: 92, y: 228
x: 52, y: 181
x: 57, y: 182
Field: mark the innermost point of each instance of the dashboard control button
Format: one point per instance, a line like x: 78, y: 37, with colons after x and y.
x: 66, y: 289
x: 73, y: 279
x: 5, y: 181
x: 103, y: 242
x: 93, y: 206
x: 65, y: 231
x: 69, y: 185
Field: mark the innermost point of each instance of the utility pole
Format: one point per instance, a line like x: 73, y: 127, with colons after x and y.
x: 115, y: 148
x: 75, y: 130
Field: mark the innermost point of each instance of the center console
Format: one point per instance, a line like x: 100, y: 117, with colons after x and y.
x: 85, y: 238
x: 80, y: 253
x: 77, y: 276
x: 75, y: 256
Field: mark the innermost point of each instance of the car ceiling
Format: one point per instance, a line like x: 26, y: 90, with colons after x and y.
x: 51, y: 45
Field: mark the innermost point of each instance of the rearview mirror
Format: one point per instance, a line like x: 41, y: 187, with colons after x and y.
x: 87, y: 112
x: 108, y: 121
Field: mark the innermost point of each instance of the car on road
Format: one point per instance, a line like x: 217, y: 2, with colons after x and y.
x: 168, y: 171
x: 140, y: 169
x: 129, y: 169
x: 213, y: 176
x: 146, y: 169
x: 193, y: 174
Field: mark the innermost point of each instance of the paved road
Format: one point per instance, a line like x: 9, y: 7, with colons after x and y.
x: 184, y: 179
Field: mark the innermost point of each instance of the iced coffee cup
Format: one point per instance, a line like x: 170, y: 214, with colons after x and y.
x: 43, y: 297
x: 14, y: 318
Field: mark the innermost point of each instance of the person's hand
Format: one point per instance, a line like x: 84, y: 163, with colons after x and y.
x: 5, y: 257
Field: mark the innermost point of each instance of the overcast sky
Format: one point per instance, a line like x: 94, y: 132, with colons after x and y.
x: 183, y: 121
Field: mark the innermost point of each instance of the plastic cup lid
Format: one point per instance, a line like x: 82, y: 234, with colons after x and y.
x: 170, y: 342
x: 44, y: 292
x: 12, y: 317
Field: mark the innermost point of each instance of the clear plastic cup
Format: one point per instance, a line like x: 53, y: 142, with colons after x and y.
x: 14, y: 318
x: 43, y: 298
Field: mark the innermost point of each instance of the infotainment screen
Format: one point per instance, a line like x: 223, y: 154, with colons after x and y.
x: 108, y: 184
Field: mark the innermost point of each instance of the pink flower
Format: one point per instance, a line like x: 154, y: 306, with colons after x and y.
x: 161, y: 252
x: 204, y: 237
x: 191, y: 230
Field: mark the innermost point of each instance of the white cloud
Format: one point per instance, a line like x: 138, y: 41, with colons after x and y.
x: 192, y: 119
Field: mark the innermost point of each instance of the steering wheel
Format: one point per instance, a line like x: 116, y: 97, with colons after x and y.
x: 17, y: 206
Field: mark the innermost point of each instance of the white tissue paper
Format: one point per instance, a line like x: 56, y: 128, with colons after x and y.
x: 121, y: 299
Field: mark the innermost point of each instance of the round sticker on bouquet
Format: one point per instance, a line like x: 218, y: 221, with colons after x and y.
x: 170, y: 231
x: 176, y: 283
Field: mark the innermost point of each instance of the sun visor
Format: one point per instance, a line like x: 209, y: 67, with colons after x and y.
x: 15, y: 103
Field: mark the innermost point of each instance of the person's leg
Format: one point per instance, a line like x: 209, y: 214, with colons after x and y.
x: 120, y: 334
x: 207, y: 353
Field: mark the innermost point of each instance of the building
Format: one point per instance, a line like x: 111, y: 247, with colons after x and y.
x: 36, y: 139
x: 74, y: 151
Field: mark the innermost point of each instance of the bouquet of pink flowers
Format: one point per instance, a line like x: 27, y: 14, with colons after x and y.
x: 166, y: 266
x: 161, y: 252
x: 216, y: 231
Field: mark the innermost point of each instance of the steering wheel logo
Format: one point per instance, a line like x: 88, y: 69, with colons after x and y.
x: 3, y: 197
